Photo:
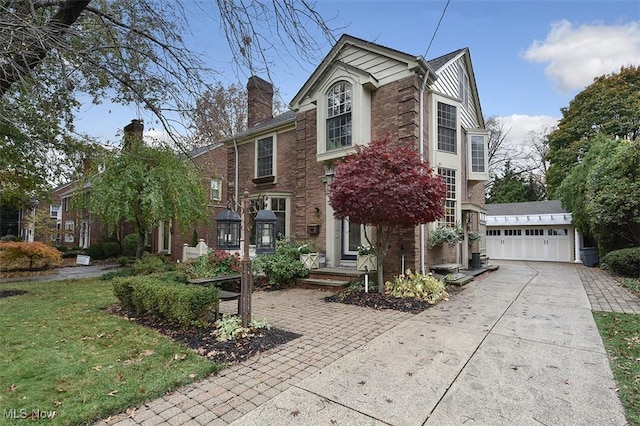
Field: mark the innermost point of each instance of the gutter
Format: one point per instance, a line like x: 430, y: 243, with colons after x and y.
x: 421, y: 150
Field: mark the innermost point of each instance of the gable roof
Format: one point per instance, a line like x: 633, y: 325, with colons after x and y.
x: 443, y: 60
x: 413, y: 62
x: 526, y: 208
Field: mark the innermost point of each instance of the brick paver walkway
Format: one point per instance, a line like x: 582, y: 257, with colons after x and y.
x: 605, y: 293
x: 329, y: 331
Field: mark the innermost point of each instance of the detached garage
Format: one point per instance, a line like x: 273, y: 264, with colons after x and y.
x: 538, y: 230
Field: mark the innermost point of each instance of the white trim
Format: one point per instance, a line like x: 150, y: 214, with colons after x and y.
x: 274, y: 155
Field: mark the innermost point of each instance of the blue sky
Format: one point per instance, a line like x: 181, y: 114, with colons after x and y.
x: 530, y: 58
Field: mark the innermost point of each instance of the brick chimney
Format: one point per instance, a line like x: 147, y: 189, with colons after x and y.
x: 260, y: 99
x: 133, y: 131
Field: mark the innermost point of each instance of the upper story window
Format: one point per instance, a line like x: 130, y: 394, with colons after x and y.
x: 447, y: 126
x: 465, y: 88
x: 477, y: 154
x: 65, y: 203
x: 339, y: 104
x: 216, y: 190
x: 264, y: 157
x: 53, y: 211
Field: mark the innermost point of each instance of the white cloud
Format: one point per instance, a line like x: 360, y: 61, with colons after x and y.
x: 520, y: 127
x: 577, y: 54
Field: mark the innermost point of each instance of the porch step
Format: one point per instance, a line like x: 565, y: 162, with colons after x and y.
x: 319, y: 282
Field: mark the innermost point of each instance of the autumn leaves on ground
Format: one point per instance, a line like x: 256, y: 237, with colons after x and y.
x: 62, y: 353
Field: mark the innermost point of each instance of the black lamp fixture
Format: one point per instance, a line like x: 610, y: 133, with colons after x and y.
x: 228, y: 225
x: 266, y: 226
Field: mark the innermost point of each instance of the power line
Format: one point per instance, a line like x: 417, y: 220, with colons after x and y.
x: 437, y: 27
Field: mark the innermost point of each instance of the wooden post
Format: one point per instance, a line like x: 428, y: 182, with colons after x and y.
x: 246, y: 283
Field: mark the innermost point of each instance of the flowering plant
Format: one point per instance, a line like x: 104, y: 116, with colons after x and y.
x: 364, y: 250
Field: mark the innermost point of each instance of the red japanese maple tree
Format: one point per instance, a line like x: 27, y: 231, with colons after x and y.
x: 387, y: 186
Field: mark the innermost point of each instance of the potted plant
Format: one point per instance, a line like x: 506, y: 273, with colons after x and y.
x: 445, y: 234
x: 309, y: 256
x: 366, y: 260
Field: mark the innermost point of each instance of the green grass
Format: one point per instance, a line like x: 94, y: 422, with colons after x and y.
x: 621, y: 336
x: 60, y: 352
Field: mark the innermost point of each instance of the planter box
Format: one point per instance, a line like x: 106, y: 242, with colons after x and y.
x: 310, y: 260
x: 367, y: 262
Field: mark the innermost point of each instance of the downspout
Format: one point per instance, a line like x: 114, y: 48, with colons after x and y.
x: 235, y: 189
x: 421, y: 151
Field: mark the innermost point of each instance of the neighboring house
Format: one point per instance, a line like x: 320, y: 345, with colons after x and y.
x: 363, y: 91
x: 536, y: 230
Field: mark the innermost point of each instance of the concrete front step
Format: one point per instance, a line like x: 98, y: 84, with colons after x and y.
x: 320, y: 282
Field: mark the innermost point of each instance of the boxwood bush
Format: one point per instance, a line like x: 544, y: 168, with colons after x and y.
x: 184, y: 304
x: 625, y: 262
x: 111, y: 249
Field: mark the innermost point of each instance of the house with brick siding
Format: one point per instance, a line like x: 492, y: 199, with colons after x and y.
x: 363, y: 91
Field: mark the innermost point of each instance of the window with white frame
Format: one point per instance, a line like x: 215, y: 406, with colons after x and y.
x: 477, y: 154
x: 65, y: 203
x: 264, y: 157
x: 69, y: 230
x: 464, y: 87
x: 339, y: 105
x: 279, y: 205
x: 449, y: 176
x: 279, y: 208
x: 53, y: 211
x: 447, y: 127
x: 216, y: 189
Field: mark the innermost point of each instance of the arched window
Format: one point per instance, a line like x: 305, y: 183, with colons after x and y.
x: 339, y: 102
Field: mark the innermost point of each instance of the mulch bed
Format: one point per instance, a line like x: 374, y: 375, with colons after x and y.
x: 376, y: 300
x: 205, y: 343
x: 9, y: 293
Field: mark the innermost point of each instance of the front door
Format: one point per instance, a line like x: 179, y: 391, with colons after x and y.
x: 351, y: 239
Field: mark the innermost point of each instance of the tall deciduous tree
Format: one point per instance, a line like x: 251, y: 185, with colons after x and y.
x: 144, y: 185
x: 386, y: 186
x: 126, y: 52
x: 610, y: 106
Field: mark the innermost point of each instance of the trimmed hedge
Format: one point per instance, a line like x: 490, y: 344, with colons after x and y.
x: 96, y: 251
x: 625, y: 262
x: 111, y: 249
x: 184, y: 304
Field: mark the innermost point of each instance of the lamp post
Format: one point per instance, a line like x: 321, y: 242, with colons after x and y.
x: 246, y: 281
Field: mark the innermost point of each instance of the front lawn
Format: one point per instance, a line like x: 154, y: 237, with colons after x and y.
x: 621, y: 336
x: 60, y: 352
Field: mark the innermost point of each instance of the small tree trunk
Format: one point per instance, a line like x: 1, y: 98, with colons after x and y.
x: 380, y: 276
x: 140, y: 248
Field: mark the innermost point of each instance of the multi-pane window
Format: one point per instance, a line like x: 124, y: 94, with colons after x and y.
x: 216, y: 189
x: 65, y: 203
x: 69, y: 228
x: 559, y: 231
x: 446, y: 127
x: 477, y: 154
x: 53, y: 211
x: 493, y: 232
x: 534, y: 232
x: 339, y: 103
x: 449, y: 176
x: 279, y: 207
x: 264, y: 165
x: 512, y: 232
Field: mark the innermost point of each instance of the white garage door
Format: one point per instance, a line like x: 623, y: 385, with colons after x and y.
x: 531, y: 243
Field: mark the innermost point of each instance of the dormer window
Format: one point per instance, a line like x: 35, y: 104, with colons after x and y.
x: 339, y: 104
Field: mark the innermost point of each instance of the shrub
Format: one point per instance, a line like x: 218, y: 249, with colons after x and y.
x: 214, y: 264
x: 445, y: 234
x: 149, y: 264
x: 186, y: 305
x: 129, y: 245
x: 625, y: 262
x: 123, y: 260
x: 230, y: 327
x: 283, y: 267
x: 124, y: 272
x: 174, y: 276
x: 10, y: 237
x: 111, y: 249
x: 96, y: 251
x: 425, y: 287
x: 31, y: 254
